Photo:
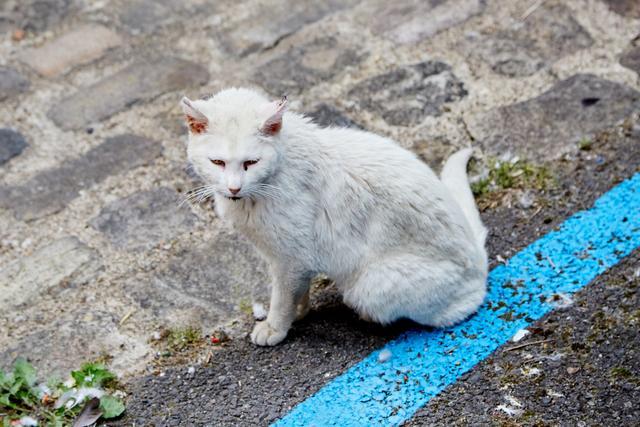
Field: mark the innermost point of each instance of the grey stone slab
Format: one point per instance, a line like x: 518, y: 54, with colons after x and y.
x: 144, y: 16
x: 51, y: 190
x: 206, y: 284
x: 78, y: 46
x: 12, y: 143
x: 325, y: 115
x: 631, y: 59
x: 306, y: 65
x: 551, y: 124
x: 25, y: 279
x: 408, y: 94
x: 547, y: 35
x: 141, y: 81
x: 12, y: 83
x: 144, y: 219
x: 412, y: 21
x: 627, y: 8
x: 33, y: 15
x: 272, y: 21
x: 77, y: 335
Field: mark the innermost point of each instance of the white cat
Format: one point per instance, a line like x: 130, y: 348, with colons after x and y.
x: 398, y: 241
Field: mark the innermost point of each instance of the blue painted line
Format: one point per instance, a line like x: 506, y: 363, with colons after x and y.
x: 423, y: 363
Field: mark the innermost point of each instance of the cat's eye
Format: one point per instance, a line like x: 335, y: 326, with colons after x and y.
x: 217, y: 162
x: 249, y: 163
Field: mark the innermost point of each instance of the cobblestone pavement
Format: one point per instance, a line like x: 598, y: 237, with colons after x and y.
x: 96, y: 251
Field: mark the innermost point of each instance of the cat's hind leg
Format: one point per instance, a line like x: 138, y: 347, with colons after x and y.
x: 407, y: 286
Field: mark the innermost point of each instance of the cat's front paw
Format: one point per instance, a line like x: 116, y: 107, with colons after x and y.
x: 263, y: 334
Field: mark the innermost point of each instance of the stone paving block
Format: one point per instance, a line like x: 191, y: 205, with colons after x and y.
x: 145, y: 16
x: 33, y: 15
x: 627, y: 8
x: 551, y: 124
x: 325, y: 115
x: 407, y: 94
x: 141, y: 81
x: 631, y: 59
x: 12, y: 83
x: 51, y: 190
x: 306, y: 65
x: 79, y: 46
x: 78, y: 334
x: 411, y: 21
x: 547, y: 35
x: 25, y: 279
x: 206, y: 284
x: 144, y: 219
x: 272, y: 21
x: 12, y: 143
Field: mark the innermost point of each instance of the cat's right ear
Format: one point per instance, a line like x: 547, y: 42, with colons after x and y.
x: 196, y: 121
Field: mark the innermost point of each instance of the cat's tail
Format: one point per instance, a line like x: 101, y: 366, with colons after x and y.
x: 454, y: 177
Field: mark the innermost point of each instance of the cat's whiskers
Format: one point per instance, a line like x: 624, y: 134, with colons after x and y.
x: 198, y: 194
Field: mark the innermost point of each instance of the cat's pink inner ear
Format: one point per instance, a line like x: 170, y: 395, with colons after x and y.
x: 274, y: 123
x: 196, y: 121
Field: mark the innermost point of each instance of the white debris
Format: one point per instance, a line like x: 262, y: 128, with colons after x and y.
x: 552, y: 393
x: 384, y: 355
x: 42, y: 390
x: 156, y: 336
x: 525, y: 199
x: 512, y: 412
x: 259, y: 312
x: 530, y: 372
x: 513, y: 401
x: 191, y: 370
x: 73, y: 397
x: 513, y: 409
x: 520, y: 334
x: 27, y: 421
x: 561, y: 300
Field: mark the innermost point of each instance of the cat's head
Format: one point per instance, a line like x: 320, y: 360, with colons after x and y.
x: 233, y: 141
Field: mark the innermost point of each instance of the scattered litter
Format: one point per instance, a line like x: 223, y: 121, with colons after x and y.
x: 501, y: 260
x: 520, y: 334
x: 156, y: 336
x: 25, y: 421
x: 327, y: 374
x: 126, y: 316
x: 259, y: 312
x: 530, y: 372
x: 526, y: 199
x: 528, y: 344
x: 561, y: 300
x: 89, y: 414
x: 72, y: 397
x: 572, y: 370
x: 384, y: 355
x: 552, y: 393
x: 513, y: 409
x: 191, y: 370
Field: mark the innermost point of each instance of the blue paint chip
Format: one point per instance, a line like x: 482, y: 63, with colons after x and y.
x: 520, y: 292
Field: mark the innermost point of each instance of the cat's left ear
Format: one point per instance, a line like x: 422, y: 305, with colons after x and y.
x: 274, y: 123
x: 197, y: 121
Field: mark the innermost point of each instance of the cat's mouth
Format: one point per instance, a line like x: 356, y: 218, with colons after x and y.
x: 235, y: 199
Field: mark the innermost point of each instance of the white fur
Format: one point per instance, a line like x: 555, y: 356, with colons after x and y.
x: 399, y: 242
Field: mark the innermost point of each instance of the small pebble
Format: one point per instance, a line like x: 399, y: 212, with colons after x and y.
x: 191, y: 370
x: 520, y: 334
x: 384, y: 355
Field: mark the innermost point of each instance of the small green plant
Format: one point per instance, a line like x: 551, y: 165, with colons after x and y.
x: 182, y: 338
x: 585, y: 144
x: 519, y: 174
x: 56, y: 403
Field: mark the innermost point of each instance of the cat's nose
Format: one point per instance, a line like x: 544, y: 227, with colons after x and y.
x: 234, y: 190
